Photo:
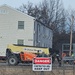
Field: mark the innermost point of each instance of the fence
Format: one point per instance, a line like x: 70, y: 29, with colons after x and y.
x: 65, y: 69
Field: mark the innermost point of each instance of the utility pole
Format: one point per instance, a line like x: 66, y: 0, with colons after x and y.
x: 71, y: 35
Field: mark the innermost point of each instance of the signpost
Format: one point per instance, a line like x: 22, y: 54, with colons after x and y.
x: 42, y: 64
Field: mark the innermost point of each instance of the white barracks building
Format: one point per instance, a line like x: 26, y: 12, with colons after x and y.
x: 22, y: 29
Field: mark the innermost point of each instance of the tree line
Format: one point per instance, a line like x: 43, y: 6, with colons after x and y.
x: 53, y: 14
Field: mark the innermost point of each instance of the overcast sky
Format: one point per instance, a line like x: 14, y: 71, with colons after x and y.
x: 16, y: 3
x: 69, y: 4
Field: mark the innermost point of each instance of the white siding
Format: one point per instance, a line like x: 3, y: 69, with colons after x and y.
x: 9, y: 32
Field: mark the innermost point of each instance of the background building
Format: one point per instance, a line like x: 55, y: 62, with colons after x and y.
x: 66, y: 47
x: 22, y: 29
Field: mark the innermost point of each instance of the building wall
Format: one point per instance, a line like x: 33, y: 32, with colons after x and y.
x: 9, y: 32
x: 33, y: 34
x: 43, y: 35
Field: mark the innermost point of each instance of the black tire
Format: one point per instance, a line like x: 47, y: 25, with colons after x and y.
x: 12, y: 60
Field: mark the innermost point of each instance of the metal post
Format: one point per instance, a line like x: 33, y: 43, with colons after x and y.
x: 74, y: 60
x: 42, y: 73
x: 71, y: 36
x: 63, y: 67
x: 63, y: 64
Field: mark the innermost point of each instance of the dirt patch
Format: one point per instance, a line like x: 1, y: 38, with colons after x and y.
x: 10, y: 70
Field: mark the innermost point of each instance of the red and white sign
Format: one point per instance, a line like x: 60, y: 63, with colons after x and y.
x: 42, y: 64
x: 42, y: 61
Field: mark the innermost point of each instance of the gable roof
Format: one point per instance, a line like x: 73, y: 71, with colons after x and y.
x: 5, y: 5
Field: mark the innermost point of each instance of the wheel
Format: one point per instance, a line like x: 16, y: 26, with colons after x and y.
x: 13, y: 60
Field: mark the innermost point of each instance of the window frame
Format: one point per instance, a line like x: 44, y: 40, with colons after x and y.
x: 21, y: 24
x: 20, y: 41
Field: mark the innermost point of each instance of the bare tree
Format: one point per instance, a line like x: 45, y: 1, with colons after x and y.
x: 58, y: 16
x: 28, y: 9
x: 44, y: 12
x: 51, y: 14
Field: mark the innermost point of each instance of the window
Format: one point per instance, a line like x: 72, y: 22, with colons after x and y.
x: 39, y: 28
x: 20, y: 42
x: 44, y: 30
x: 20, y: 24
x: 3, y: 11
x: 67, y: 47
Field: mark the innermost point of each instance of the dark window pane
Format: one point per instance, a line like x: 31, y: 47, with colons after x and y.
x: 20, y: 42
x: 20, y: 24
